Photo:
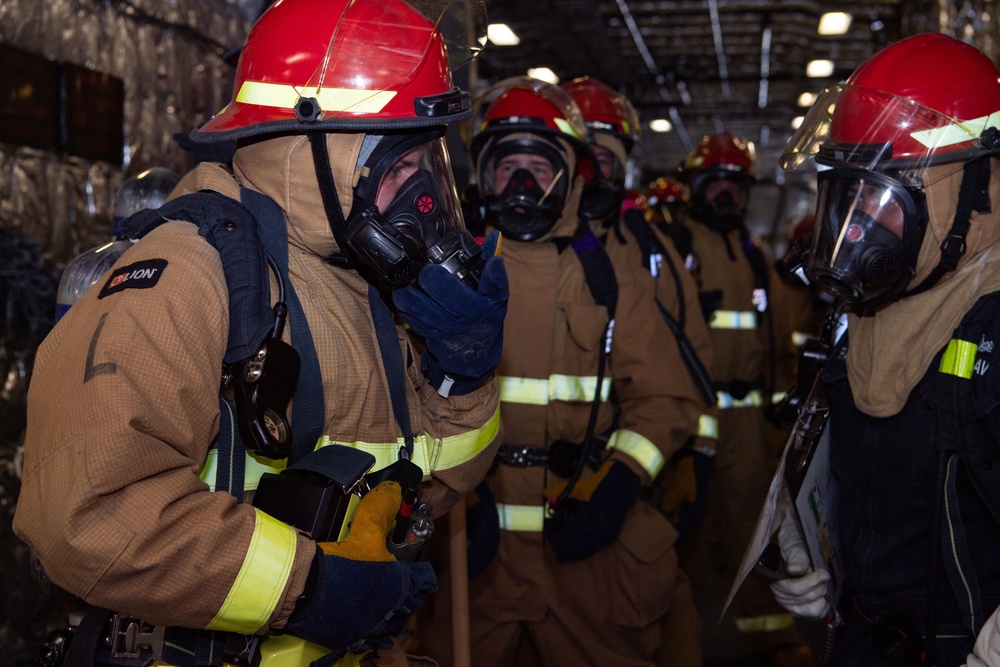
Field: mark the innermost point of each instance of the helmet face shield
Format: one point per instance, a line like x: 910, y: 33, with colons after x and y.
x: 868, y: 232
x: 875, y: 130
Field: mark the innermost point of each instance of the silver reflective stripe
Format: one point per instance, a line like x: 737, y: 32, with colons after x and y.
x: 753, y: 399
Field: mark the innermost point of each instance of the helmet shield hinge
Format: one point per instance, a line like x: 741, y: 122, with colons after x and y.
x: 307, y: 110
x: 453, y: 102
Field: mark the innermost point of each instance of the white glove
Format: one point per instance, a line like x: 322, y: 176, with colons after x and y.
x: 986, y: 652
x: 803, y: 593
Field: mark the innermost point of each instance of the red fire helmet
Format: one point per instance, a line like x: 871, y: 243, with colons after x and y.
x: 605, y: 109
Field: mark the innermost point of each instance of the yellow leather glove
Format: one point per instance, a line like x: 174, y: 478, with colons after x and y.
x: 372, y: 522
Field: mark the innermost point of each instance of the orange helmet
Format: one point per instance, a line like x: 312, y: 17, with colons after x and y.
x: 354, y: 65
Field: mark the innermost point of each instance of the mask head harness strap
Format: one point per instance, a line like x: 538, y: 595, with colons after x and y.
x: 331, y: 202
x: 973, y: 195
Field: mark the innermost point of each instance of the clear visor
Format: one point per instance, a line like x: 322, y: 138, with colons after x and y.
x: 375, y: 47
x: 418, y: 190
x: 873, y: 130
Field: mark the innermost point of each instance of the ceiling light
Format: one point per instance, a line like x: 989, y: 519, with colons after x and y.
x: 797, y: 121
x: 806, y: 99
x: 501, y: 35
x: 543, y: 74
x: 660, y: 125
x: 817, y: 69
x: 834, y: 23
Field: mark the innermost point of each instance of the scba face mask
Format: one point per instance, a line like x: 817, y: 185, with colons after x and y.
x: 524, y: 186
x: 412, y: 217
x: 721, y: 199
x: 869, y: 228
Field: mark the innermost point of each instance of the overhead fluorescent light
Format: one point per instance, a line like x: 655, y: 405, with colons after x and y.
x: 807, y: 99
x: 818, y: 69
x: 660, y: 125
x: 834, y: 23
x: 543, y: 74
x: 797, y: 121
x: 501, y: 35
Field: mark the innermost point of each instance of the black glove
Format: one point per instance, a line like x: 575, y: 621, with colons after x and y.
x: 592, y: 516
x: 482, y: 525
x: 358, y: 595
x: 463, y: 329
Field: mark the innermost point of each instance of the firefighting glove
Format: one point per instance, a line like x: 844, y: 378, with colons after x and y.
x: 462, y: 328
x: 482, y: 525
x: 358, y: 595
x: 591, y: 517
x: 803, y: 592
x: 686, y: 494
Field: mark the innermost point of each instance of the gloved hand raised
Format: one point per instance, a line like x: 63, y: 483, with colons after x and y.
x: 358, y: 595
x: 463, y: 329
x: 591, y: 517
x: 804, y: 592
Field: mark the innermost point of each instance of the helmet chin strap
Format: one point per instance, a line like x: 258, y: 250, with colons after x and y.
x: 331, y: 202
x: 973, y: 195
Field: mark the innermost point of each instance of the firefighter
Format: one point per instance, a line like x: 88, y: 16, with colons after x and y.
x: 592, y: 408
x: 752, y: 361
x: 336, y: 154
x: 906, y: 235
x: 634, y: 244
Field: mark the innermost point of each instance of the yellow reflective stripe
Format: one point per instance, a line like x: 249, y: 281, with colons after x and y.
x: 799, y: 338
x: 957, y: 131
x: 708, y: 427
x: 754, y: 398
x: 255, y: 468
x: 733, y: 319
x: 777, y: 397
x: 525, y: 518
x: 537, y: 391
x: 765, y: 623
x: 429, y: 453
x: 639, y: 448
x: 959, y: 358
x: 280, y: 650
x: 529, y: 391
x: 566, y: 127
x: 261, y: 581
x: 284, y: 96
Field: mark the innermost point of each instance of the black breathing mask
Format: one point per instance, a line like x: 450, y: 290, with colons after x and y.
x: 524, y: 211
x: 868, y: 233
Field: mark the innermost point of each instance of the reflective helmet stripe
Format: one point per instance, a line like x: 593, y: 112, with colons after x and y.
x: 261, y: 581
x: 957, y: 132
x: 284, y: 96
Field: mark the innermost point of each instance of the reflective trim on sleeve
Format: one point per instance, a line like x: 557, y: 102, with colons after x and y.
x: 262, y: 578
x: 525, y: 518
x: 537, y: 391
x: 959, y: 358
x: 733, y: 319
x: 639, y: 448
x: 799, y: 338
x: 429, y: 453
x: 284, y: 96
x: 778, y: 397
x: 753, y: 399
x: 708, y: 427
x: 764, y: 622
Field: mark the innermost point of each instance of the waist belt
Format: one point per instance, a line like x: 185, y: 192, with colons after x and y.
x: 523, y: 457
